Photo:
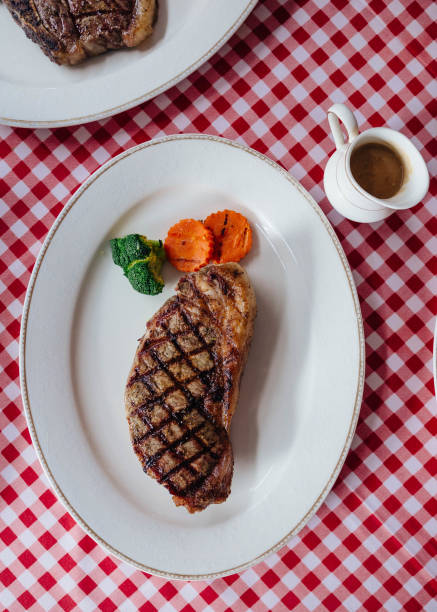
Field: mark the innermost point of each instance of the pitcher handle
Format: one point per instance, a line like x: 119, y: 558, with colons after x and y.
x: 345, y: 115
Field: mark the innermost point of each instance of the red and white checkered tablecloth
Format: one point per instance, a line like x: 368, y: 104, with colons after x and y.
x: 372, y: 544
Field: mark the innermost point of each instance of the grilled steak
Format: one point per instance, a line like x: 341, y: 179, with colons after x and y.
x: 68, y: 31
x: 184, y: 384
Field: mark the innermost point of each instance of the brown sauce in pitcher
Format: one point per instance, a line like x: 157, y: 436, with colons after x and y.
x: 377, y: 169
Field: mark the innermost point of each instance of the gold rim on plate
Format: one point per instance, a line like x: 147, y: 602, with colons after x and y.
x: 360, y: 376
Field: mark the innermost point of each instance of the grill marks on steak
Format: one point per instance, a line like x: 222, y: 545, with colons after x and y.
x: 182, y: 389
x: 174, y: 436
x: 68, y: 31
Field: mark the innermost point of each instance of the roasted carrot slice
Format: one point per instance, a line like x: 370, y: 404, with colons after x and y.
x: 189, y: 245
x: 232, y: 234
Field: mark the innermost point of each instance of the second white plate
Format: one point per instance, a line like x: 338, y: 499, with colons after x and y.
x: 34, y: 92
x: 301, y: 391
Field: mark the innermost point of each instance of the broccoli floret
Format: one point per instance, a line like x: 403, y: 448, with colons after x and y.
x: 128, y: 249
x: 141, y: 260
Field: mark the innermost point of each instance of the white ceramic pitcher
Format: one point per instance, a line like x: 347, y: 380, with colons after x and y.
x: 343, y: 191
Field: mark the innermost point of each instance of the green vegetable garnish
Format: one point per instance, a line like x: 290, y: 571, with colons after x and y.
x: 141, y: 260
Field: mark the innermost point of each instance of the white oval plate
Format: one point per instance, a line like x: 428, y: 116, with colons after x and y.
x: 34, y: 92
x: 301, y: 391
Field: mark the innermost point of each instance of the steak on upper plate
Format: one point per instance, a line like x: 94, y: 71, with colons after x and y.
x: 69, y: 31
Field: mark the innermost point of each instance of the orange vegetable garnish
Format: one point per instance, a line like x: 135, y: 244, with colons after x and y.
x: 189, y: 245
x: 232, y: 233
